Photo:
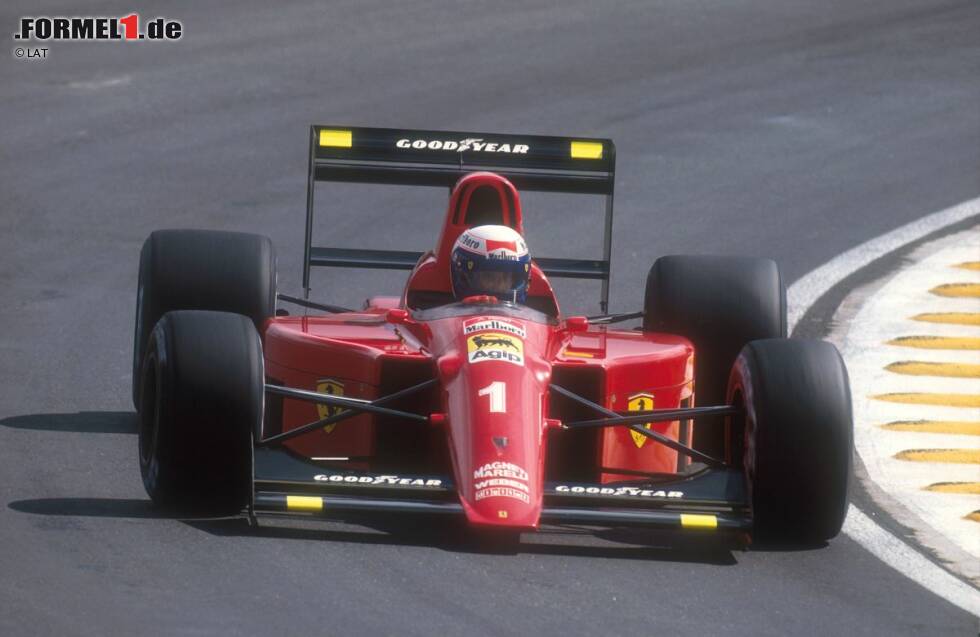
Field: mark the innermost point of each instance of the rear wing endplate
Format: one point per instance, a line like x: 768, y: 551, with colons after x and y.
x: 439, y: 158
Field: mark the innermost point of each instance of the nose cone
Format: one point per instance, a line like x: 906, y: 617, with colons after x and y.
x: 495, y: 399
x: 501, y: 495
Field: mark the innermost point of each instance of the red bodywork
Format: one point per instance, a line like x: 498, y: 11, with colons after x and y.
x: 494, y: 424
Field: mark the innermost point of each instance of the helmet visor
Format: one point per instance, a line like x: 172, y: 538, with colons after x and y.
x: 494, y: 281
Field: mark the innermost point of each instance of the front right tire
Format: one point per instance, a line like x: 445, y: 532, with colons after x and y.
x: 798, y: 436
x: 201, y: 270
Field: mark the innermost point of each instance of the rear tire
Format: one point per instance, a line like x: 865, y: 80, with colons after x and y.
x: 202, y: 397
x: 798, y: 437
x: 719, y: 303
x: 201, y: 270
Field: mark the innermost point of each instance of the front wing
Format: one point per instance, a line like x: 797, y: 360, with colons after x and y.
x: 709, y: 499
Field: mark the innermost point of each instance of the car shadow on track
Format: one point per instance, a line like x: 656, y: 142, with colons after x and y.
x: 786, y: 546
x: 456, y: 538
x: 92, y: 422
x: 634, y: 544
x: 90, y: 507
x: 433, y: 533
x: 441, y: 535
x: 397, y: 531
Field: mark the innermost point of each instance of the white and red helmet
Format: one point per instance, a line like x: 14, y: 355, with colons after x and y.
x: 491, y: 260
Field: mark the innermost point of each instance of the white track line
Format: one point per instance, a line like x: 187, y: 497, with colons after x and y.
x: 938, y: 519
x: 810, y: 287
x: 800, y: 297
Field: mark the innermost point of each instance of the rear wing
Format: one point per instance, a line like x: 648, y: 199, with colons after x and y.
x: 439, y: 158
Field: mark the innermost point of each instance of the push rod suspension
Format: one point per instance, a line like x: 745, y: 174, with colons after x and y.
x: 656, y: 415
x: 615, y: 419
x: 313, y: 305
x: 354, y: 406
x: 603, y: 319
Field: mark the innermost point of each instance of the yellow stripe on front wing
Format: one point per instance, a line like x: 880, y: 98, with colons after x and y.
x: 697, y: 521
x: 304, y: 503
x: 586, y: 150
x: 339, y: 138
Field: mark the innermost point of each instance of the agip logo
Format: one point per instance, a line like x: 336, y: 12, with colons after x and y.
x: 495, y: 346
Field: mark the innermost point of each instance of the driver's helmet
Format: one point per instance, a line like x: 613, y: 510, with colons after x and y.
x: 491, y: 260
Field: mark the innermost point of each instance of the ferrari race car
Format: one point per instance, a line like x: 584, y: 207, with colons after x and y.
x: 505, y: 415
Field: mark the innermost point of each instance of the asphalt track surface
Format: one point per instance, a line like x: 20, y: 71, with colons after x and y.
x: 790, y: 129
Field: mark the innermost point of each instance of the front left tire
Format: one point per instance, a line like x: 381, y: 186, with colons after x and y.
x: 202, y: 398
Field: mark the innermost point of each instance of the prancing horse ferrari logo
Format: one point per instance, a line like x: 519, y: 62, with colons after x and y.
x: 640, y: 402
x: 486, y: 341
x: 335, y: 388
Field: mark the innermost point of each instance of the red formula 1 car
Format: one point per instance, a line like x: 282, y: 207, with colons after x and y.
x: 506, y: 415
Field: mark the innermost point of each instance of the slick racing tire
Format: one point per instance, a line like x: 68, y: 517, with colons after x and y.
x: 202, y: 270
x: 797, y: 436
x: 201, y: 400
x: 719, y: 303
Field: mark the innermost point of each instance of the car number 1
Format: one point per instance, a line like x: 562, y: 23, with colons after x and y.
x: 497, y: 391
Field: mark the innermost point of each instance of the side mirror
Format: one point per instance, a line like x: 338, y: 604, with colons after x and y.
x: 577, y: 323
x: 396, y: 315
